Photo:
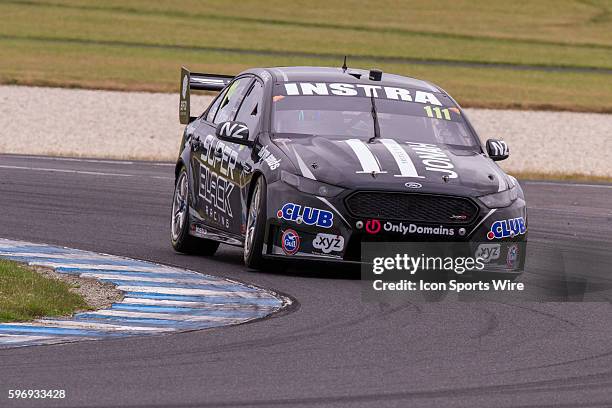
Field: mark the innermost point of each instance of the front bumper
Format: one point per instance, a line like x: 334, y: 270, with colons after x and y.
x: 306, y: 227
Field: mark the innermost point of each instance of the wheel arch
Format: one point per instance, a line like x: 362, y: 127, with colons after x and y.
x: 256, y: 175
x: 177, y: 169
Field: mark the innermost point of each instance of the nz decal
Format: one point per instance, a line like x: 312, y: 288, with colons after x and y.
x: 499, y: 147
x: 306, y: 215
x: 507, y: 228
x: 328, y: 243
x: 233, y: 129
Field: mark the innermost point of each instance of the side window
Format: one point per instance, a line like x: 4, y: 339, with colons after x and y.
x: 213, y: 108
x: 250, y: 110
x: 231, y: 100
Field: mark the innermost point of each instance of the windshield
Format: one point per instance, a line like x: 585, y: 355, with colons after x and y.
x: 351, y: 117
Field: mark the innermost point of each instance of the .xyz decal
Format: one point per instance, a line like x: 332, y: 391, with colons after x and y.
x: 307, y: 215
x: 328, y: 243
x: 507, y: 228
x: 290, y: 242
x: 488, y: 252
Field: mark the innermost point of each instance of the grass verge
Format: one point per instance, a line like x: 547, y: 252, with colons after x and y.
x: 26, y: 295
x: 547, y: 55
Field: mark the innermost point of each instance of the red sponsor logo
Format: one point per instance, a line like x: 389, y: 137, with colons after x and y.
x: 372, y: 226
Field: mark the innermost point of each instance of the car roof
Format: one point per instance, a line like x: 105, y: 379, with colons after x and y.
x: 350, y: 76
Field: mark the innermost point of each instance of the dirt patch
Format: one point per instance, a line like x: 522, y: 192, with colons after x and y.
x: 97, y: 294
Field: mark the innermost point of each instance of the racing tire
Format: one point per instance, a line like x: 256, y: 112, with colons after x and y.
x: 179, y: 227
x: 256, y: 226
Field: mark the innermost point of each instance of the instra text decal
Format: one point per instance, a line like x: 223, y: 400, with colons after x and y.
x: 376, y: 91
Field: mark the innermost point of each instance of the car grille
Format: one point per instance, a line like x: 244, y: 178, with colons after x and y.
x: 424, y: 208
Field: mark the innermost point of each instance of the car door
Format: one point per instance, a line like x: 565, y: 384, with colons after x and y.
x: 215, y: 164
x: 249, y: 113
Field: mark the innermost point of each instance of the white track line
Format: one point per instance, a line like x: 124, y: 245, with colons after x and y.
x: 552, y: 183
x: 89, y: 173
x: 160, y: 302
x: 189, y: 304
x: 69, y: 324
x: 188, y: 292
x: 164, y: 316
x: 105, y: 267
x: 103, y: 161
x: 194, y: 280
x: 21, y: 338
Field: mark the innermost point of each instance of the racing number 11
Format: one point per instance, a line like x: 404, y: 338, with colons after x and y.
x: 437, y: 112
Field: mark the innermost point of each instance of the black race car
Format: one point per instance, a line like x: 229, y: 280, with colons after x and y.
x: 306, y: 163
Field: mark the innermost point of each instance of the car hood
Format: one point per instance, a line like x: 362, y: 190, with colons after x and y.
x: 390, y: 164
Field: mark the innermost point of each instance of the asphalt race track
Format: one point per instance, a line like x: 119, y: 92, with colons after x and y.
x: 330, y: 348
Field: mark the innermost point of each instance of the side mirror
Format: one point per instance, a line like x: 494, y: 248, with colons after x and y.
x: 235, y: 132
x: 497, y: 149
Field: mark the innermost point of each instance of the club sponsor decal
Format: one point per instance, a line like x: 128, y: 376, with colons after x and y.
x: 271, y: 160
x: 306, y: 215
x: 290, y: 242
x: 328, y: 243
x: 507, y: 228
x: 488, y: 252
x: 376, y: 91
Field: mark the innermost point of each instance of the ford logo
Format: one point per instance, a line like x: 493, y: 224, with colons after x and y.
x: 412, y: 184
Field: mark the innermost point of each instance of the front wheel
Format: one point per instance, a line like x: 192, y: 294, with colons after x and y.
x: 256, y: 226
x: 179, y: 234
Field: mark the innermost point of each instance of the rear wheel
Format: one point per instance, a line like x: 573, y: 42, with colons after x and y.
x: 256, y: 226
x: 179, y: 234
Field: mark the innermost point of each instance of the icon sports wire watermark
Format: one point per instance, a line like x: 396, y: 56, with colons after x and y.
x: 512, y: 271
x: 400, y: 268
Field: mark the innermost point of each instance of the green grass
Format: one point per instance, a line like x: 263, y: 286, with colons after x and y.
x: 139, y: 45
x: 27, y: 295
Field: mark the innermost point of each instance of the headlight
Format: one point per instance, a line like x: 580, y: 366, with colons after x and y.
x: 501, y: 199
x: 308, y: 186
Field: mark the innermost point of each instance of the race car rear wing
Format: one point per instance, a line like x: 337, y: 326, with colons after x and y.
x: 194, y: 80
